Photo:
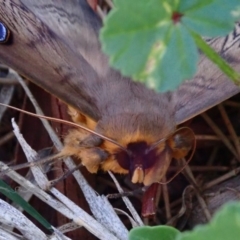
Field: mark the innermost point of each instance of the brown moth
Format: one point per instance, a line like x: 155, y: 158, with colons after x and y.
x: 55, y: 44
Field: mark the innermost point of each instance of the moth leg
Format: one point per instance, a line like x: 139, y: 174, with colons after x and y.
x: 92, y: 158
x: 81, y: 119
x: 64, y: 176
x: 85, y: 147
x: 98, y: 157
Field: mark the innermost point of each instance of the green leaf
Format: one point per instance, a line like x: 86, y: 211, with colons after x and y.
x: 128, y: 38
x: 224, y: 225
x: 152, y: 41
x: 15, y: 197
x: 178, y: 62
x: 147, y: 45
x: 153, y: 233
x: 210, y: 18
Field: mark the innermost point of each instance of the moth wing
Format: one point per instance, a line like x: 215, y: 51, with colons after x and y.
x: 210, y: 86
x: 76, y: 24
x: 41, y: 49
x: 56, y: 45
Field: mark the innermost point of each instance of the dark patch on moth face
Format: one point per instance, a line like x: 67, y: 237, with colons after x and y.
x: 139, y: 156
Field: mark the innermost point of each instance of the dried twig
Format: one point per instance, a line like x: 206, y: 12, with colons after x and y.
x: 230, y: 129
x: 219, y: 133
x: 166, y: 200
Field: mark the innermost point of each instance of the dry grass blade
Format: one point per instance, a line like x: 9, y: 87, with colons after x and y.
x: 12, y: 217
x: 200, y: 199
x: 136, y: 217
x: 6, y: 138
x: 166, y: 200
x: 222, y: 178
x: 74, y: 213
x: 4, y: 234
x: 68, y: 227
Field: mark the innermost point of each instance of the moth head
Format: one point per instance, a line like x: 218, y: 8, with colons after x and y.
x: 150, y: 142
x: 140, y: 145
x: 148, y: 163
x: 145, y: 165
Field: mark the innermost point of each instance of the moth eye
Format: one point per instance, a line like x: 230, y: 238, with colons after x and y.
x: 4, y: 33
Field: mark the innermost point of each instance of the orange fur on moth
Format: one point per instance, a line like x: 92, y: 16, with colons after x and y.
x: 145, y: 164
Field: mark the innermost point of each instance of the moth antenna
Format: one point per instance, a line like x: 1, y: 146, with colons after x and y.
x: 31, y: 164
x: 184, y: 166
x: 154, y: 145
x: 157, y: 143
x: 68, y: 123
x: 165, y: 138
